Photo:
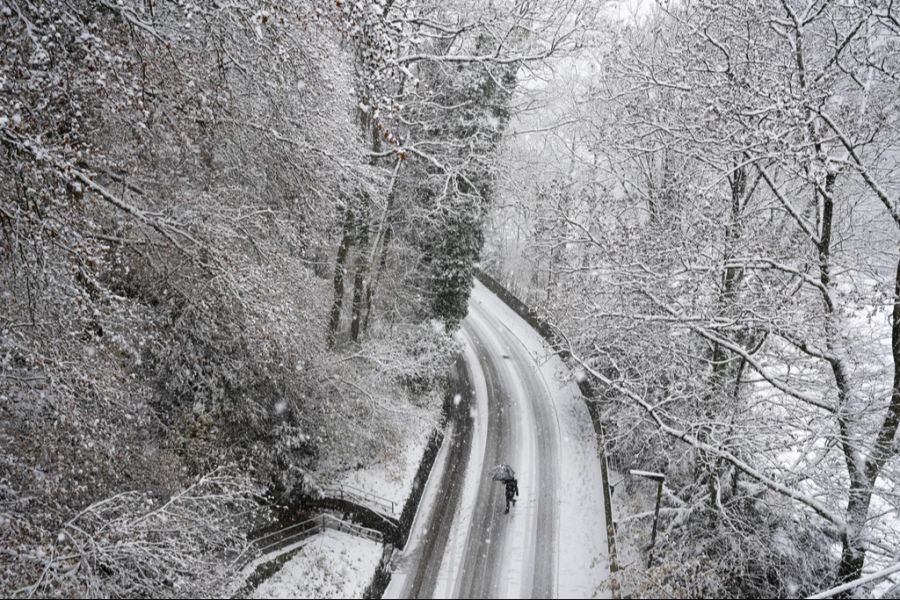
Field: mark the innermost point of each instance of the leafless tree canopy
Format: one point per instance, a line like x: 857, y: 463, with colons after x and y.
x: 716, y: 237
x: 223, y: 263
x: 235, y: 238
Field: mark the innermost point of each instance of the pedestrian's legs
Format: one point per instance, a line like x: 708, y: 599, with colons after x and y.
x: 507, y: 505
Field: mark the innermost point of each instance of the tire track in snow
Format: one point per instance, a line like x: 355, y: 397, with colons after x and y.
x: 537, y: 418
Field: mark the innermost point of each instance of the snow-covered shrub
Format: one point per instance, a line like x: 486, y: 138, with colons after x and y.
x: 764, y: 550
x: 133, y: 545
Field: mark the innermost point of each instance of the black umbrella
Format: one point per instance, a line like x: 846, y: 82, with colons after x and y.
x: 503, y: 473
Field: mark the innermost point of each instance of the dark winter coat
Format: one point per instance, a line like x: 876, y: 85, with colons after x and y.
x: 512, y: 489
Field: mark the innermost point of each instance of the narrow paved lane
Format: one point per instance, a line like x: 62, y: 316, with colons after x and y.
x: 457, y: 442
x: 462, y: 544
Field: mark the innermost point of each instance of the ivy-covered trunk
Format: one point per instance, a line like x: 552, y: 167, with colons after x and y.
x: 340, y: 268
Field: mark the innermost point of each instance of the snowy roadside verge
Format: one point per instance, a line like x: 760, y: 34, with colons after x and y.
x: 431, y: 459
x: 392, y: 477
x: 305, y: 569
x: 329, y: 565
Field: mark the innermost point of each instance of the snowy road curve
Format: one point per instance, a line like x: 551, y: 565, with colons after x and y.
x: 517, y: 407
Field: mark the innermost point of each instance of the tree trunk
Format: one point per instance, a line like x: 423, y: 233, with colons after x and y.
x: 385, y: 230
x: 359, y: 284
x: 724, y: 372
x: 853, y: 552
x: 370, y: 291
x: 340, y: 268
x: 362, y: 270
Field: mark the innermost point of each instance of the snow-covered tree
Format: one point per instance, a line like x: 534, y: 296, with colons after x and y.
x: 732, y: 280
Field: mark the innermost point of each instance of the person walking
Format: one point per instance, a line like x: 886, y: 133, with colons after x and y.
x: 512, y: 490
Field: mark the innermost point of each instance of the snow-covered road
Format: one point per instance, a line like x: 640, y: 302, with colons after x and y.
x: 516, y: 406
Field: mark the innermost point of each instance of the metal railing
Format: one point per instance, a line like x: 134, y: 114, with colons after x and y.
x: 298, y: 532
x: 359, y: 496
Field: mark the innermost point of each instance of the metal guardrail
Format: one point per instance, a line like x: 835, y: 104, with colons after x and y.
x: 298, y: 532
x: 359, y: 496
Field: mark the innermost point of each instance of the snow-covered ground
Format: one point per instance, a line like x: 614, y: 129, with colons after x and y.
x: 459, y: 532
x: 534, y: 378
x: 392, y: 477
x: 338, y: 565
x: 329, y: 565
x: 583, y: 561
x: 423, y: 516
